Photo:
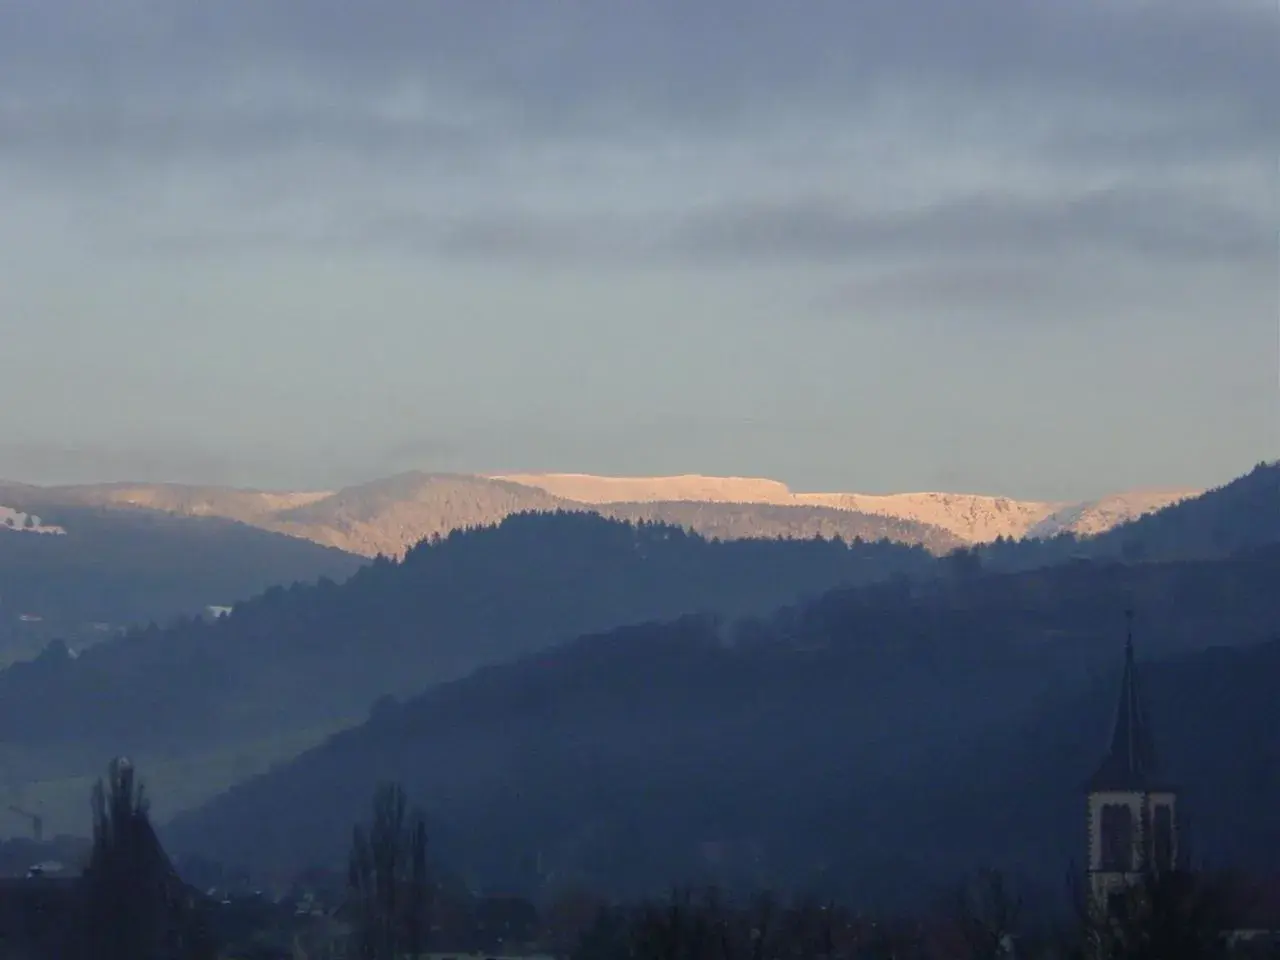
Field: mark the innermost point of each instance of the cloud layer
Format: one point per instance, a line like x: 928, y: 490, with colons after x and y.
x: 809, y: 120
x: 890, y: 160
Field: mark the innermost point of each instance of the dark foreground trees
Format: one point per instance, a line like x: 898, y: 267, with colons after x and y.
x: 1176, y: 915
x: 1172, y: 913
x: 387, y: 880
x: 135, y: 907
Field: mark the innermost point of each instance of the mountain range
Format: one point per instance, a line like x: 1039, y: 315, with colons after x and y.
x: 595, y: 665
x: 972, y: 518
x: 388, y: 516
x: 85, y: 561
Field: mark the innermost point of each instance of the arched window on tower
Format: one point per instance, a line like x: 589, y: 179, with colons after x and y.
x: 1162, y: 836
x: 1117, y: 837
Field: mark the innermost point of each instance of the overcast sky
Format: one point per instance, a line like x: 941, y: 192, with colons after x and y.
x: 993, y: 245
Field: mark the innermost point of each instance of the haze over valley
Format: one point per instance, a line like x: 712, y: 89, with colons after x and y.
x: 291, y: 666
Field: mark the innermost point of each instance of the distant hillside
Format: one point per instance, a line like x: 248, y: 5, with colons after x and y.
x: 11, y: 519
x: 296, y: 658
x: 588, y: 488
x: 887, y: 737
x: 389, y: 516
x: 1240, y: 515
x: 969, y: 518
x: 247, y: 506
x: 120, y: 567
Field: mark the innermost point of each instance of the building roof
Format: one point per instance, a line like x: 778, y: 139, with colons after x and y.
x: 1130, y: 762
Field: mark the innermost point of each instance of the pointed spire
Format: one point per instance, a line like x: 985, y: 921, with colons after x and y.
x: 1130, y: 763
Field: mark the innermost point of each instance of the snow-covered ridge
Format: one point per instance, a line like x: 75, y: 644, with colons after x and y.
x: 974, y: 518
x: 11, y: 519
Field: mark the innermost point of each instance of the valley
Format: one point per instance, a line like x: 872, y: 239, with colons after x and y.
x: 581, y: 675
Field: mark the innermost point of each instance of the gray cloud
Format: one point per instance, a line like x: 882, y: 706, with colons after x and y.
x: 206, y: 73
x: 326, y: 177
x: 1135, y: 221
x: 424, y: 126
x: 1018, y: 288
x: 86, y: 136
x: 456, y: 111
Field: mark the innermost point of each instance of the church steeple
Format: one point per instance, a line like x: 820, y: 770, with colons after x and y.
x: 1131, y: 814
x: 1130, y: 762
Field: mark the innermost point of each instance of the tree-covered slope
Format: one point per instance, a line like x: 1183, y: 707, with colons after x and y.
x: 309, y: 655
x: 875, y: 736
x: 128, y: 566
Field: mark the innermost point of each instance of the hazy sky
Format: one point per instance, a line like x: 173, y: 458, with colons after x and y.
x: 995, y: 245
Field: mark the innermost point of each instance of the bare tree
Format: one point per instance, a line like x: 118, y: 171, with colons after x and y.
x: 388, y: 881
x: 986, y: 915
x: 678, y: 930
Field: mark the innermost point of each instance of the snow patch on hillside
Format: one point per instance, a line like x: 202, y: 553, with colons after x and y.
x: 11, y: 519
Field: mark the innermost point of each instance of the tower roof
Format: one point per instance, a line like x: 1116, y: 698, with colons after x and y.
x: 1130, y: 763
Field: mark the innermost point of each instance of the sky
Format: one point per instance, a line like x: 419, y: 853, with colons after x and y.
x: 1000, y: 246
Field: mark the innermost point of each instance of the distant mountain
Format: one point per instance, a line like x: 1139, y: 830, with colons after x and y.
x: 1094, y: 517
x: 76, y: 566
x: 890, y: 737
x: 970, y: 518
x: 1240, y: 515
x: 389, y: 516
x: 247, y: 506
x: 295, y: 658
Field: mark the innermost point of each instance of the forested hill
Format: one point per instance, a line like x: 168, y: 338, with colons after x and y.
x: 390, y: 515
x: 123, y: 566
x: 310, y: 655
x: 1239, y: 515
x: 891, y: 734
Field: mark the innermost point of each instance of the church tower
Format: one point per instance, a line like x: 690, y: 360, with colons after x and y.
x: 1132, y: 810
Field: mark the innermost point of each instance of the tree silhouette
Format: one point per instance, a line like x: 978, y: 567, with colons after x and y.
x: 387, y: 879
x: 1164, y: 913
x: 135, y: 906
x: 986, y: 916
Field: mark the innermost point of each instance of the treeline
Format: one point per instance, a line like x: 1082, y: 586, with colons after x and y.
x: 395, y: 903
x: 389, y: 900
x: 733, y: 521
